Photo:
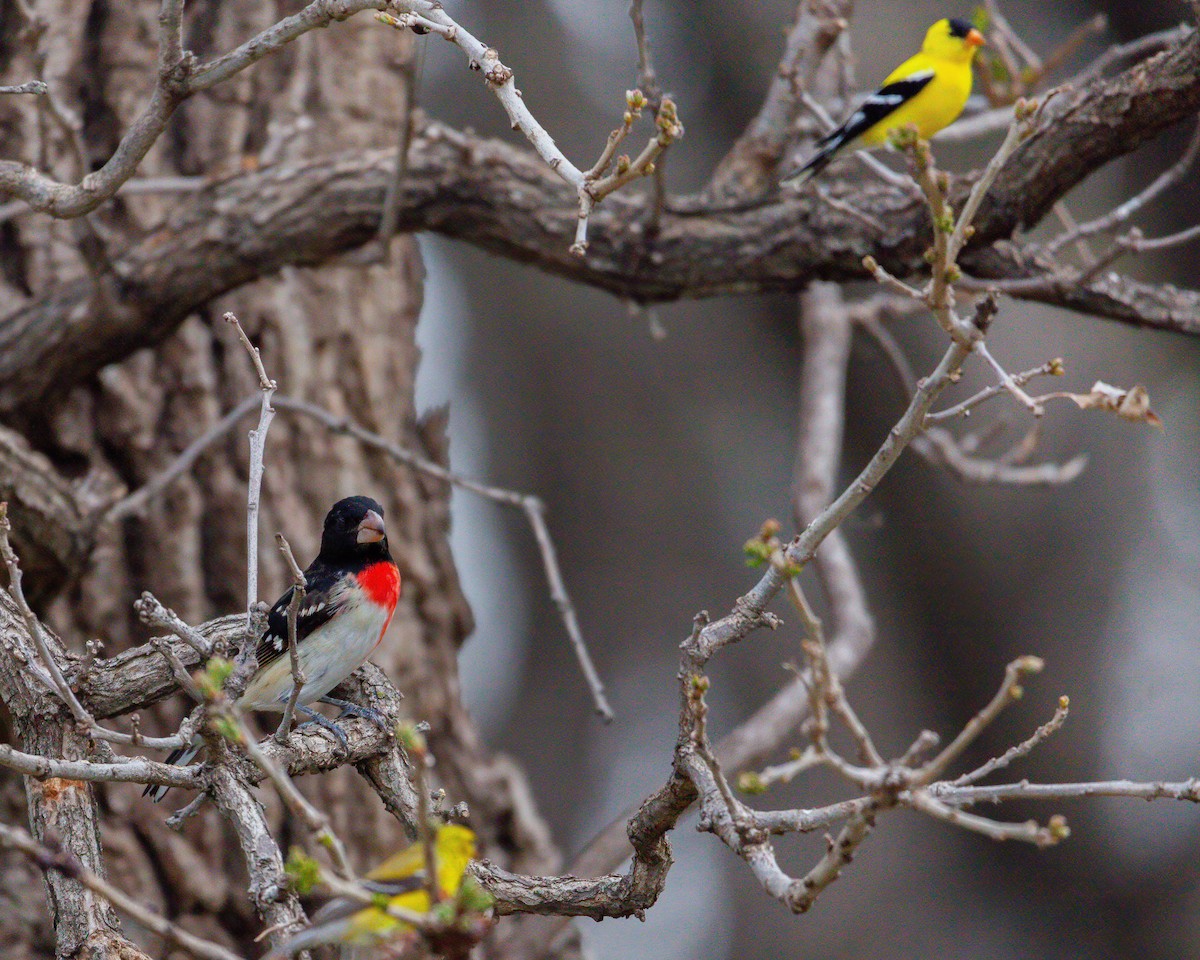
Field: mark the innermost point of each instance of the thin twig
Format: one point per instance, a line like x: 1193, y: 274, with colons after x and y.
x: 152, y: 612
x: 35, y: 87
x: 317, y: 822
x: 128, y: 770
x: 138, y: 499
x: 1043, y: 733
x: 1052, y: 368
x: 299, y: 589
x: 1009, y: 691
x: 407, y: 97
x: 57, y: 681
x: 1188, y: 790
x: 56, y: 858
x: 1121, y: 214
x: 535, y: 510
x: 805, y: 891
x: 258, y: 443
x: 530, y: 505
x: 1139, y: 244
x: 1008, y: 382
x: 1030, y: 831
x: 647, y: 78
x: 1145, y: 46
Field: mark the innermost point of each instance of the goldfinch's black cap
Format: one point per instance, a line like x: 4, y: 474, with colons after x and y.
x: 960, y: 28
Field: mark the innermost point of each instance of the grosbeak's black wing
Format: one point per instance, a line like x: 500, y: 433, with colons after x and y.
x: 323, y: 597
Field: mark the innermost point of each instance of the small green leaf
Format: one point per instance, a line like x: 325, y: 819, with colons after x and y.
x: 303, y: 872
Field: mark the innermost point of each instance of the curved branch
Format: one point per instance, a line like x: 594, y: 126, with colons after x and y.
x: 505, y: 200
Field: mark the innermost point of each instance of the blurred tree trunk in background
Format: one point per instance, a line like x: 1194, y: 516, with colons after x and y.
x: 340, y: 336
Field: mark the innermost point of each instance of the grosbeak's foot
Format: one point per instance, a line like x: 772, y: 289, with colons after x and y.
x: 355, y: 710
x: 316, y: 719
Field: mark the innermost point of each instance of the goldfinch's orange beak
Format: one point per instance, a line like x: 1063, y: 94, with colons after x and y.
x: 371, y: 529
x: 974, y: 38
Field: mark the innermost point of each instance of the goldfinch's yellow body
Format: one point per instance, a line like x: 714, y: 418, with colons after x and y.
x: 928, y: 91
x: 455, y: 847
x: 401, y: 879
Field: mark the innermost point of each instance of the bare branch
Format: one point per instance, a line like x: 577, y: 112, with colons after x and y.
x: 258, y: 444
x: 153, y: 613
x: 1052, y: 368
x: 299, y: 588
x: 1022, y: 749
x: 804, y: 892
x: 647, y: 78
x: 1146, y: 46
x: 1188, y: 790
x: 36, y: 87
x: 269, y: 889
x: 1009, y: 691
x: 56, y: 681
x: 1121, y: 214
x: 1030, y: 831
x: 137, y: 500
x: 321, y: 833
x: 55, y: 858
x: 129, y: 770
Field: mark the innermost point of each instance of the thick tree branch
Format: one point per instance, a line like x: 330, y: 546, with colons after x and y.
x: 505, y: 200
x: 52, y: 531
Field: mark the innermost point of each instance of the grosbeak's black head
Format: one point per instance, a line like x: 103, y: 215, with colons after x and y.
x: 354, y: 532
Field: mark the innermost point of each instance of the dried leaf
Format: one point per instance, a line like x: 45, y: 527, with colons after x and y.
x: 1132, y: 404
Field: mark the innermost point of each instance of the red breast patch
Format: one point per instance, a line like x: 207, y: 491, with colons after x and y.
x: 381, y: 583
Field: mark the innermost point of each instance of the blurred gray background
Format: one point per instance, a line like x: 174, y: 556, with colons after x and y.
x: 659, y: 456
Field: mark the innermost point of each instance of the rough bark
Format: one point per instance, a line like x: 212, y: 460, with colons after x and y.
x: 341, y: 337
x: 503, y: 199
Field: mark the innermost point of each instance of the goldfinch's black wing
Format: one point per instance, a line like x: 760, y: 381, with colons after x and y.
x: 323, y: 597
x: 878, y: 106
x: 393, y: 888
x: 340, y: 908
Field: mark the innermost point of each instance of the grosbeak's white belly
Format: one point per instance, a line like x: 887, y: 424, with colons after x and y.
x: 328, y: 656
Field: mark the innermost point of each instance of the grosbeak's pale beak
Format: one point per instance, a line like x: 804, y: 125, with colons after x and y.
x: 352, y: 589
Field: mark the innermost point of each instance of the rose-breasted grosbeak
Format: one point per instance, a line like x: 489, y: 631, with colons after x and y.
x: 352, y: 589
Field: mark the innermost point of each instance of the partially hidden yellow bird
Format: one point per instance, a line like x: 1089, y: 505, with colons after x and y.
x: 928, y: 90
x: 401, y: 878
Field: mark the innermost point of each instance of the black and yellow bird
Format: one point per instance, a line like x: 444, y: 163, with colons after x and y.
x: 928, y: 91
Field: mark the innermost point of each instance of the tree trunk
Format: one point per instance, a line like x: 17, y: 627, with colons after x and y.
x: 341, y: 337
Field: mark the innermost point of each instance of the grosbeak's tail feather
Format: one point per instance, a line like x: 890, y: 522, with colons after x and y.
x: 180, y: 756
x: 352, y: 588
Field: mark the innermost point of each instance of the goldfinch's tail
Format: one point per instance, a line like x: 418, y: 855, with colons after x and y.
x: 827, y: 148
x: 317, y: 935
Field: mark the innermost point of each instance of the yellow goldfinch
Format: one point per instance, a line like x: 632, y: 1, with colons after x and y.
x: 928, y: 90
x: 401, y: 878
